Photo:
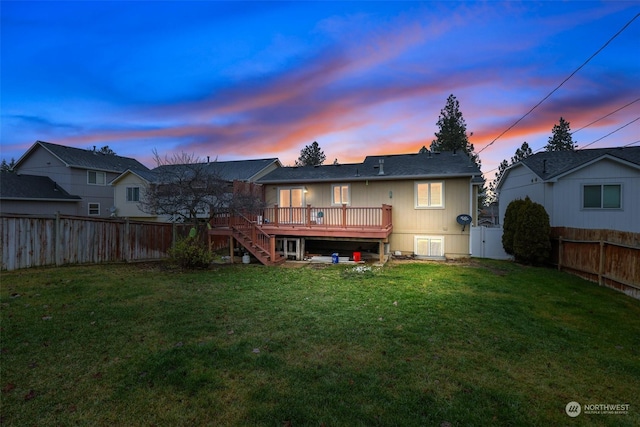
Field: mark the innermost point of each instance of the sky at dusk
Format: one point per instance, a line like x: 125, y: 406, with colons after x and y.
x: 246, y: 80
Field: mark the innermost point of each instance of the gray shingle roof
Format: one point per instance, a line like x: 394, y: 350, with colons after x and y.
x: 398, y: 166
x: 31, y: 187
x: 89, y: 159
x: 242, y: 170
x: 550, y: 164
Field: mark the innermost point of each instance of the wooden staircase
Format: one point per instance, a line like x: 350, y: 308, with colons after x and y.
x: 255, y: 240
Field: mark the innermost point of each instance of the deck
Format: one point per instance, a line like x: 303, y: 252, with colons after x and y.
x: 320, y: 222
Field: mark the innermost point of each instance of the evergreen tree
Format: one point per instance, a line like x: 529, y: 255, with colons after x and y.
x: 510, y: 225
x: 561, y: 139
x: 311, y: 155
x: 522, y: 153
x: 452, y: 136
x: 106, y: 150
x: 7, y: 167
x: 531, y: 242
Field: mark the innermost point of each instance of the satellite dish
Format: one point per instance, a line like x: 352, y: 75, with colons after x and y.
x: 463, y: 220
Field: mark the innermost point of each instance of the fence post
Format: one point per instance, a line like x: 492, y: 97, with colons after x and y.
x: 601, y: 266
x: 56, y: 240
x: 127, y: 240
x: 560, y: 253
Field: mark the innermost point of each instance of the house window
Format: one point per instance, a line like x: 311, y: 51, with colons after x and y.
x: 133, y: 194
x: 96, y: 178
x: 94, y: 208
x: 602, y: 196
x: 340, y: 194
x: 429, y: 194
x: 429, y: 246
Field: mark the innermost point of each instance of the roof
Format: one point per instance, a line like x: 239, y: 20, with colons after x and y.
x: 15, y: 186
x: 550, y: 165
x: 394, y: 167
x: 85, y: 159
x: 242, y: 170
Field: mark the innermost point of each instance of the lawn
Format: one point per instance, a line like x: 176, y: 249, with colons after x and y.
x: 409, y: 344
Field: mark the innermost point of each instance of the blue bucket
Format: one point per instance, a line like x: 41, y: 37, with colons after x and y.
x: 334, y: 258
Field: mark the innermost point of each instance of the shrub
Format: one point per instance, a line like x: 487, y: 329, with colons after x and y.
x: 191, y: 253
x: 531, y: 243
x: 510, y: 224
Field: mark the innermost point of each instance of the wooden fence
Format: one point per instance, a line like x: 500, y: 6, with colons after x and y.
x: 607, y: 257
x: 32, y: 241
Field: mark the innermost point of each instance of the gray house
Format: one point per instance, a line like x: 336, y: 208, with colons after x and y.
x: 31, y: 194
x: 592, y: 189
x: 129, y: 187
x: 82, y: 173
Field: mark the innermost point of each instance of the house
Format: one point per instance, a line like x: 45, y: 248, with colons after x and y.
x: 129, y: 187
x: 32, y: 194
x: 591, y: 189
x: 83, y: 173
x: 406, y: 204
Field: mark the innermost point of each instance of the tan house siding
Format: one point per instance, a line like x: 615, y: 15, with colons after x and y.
x: 408, y: 221
x: 130, y: 209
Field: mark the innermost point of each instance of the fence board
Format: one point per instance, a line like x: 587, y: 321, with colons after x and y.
x: 32, y: 241
x: 608, y: 257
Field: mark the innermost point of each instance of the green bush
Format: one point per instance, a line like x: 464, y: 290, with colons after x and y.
x: 531, y: 242
x: 510, y: 225
x: 191, y: 253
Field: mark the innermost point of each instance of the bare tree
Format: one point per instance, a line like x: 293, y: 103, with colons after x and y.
x: 185, y: 188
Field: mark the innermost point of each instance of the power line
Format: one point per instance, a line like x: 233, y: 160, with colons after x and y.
x: 610, y: 133
x: 604, y: 117
x: 560, y: 85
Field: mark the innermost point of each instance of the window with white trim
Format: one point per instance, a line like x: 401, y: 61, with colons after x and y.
x: 94, y: 208
x: 429, y: 246
x: 133, y: 194
x: 96, y: 178
x: 340, y: 194
x: 605, y: 196
x: 429, y: 194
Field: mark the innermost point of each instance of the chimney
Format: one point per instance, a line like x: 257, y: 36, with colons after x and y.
x: 208, y: 159
x: 381, y: 171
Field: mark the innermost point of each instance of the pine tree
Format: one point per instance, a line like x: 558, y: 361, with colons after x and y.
x: 561, y: 139
x: 522, y: 153
x: 311, y: 155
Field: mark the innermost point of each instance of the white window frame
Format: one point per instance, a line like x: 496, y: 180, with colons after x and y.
x: 341, y: 202
x: 429, y: 238
x: 429, y: 205
x: 96, y: 174
x: 93, y: 206
x: 131, y: 199
x: 601, y: 207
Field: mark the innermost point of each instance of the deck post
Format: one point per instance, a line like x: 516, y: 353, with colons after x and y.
x: 308, y: 215
x: 276, y: 215
x: 231, y: 249
x: 272, y: 248
x: 344, y: 215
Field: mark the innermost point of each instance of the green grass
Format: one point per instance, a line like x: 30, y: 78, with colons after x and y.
x: 487, y: 343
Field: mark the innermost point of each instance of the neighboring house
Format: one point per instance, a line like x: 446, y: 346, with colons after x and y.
x: 31, y: 194
x: 129, y: 187
x: 84, y: 173
x: 405, y: 203
x: 593, y: 189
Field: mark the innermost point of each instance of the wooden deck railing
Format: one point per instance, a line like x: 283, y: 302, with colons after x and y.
x: 258, y: 238
x: 322, y: 217
x: 328, y: 217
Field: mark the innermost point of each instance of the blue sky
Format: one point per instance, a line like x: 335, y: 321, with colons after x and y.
x: 238, y: 80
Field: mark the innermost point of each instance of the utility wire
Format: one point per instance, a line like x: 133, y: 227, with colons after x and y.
x: 604, y: 117
x: 560, y: 85
x: 610, y: 133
